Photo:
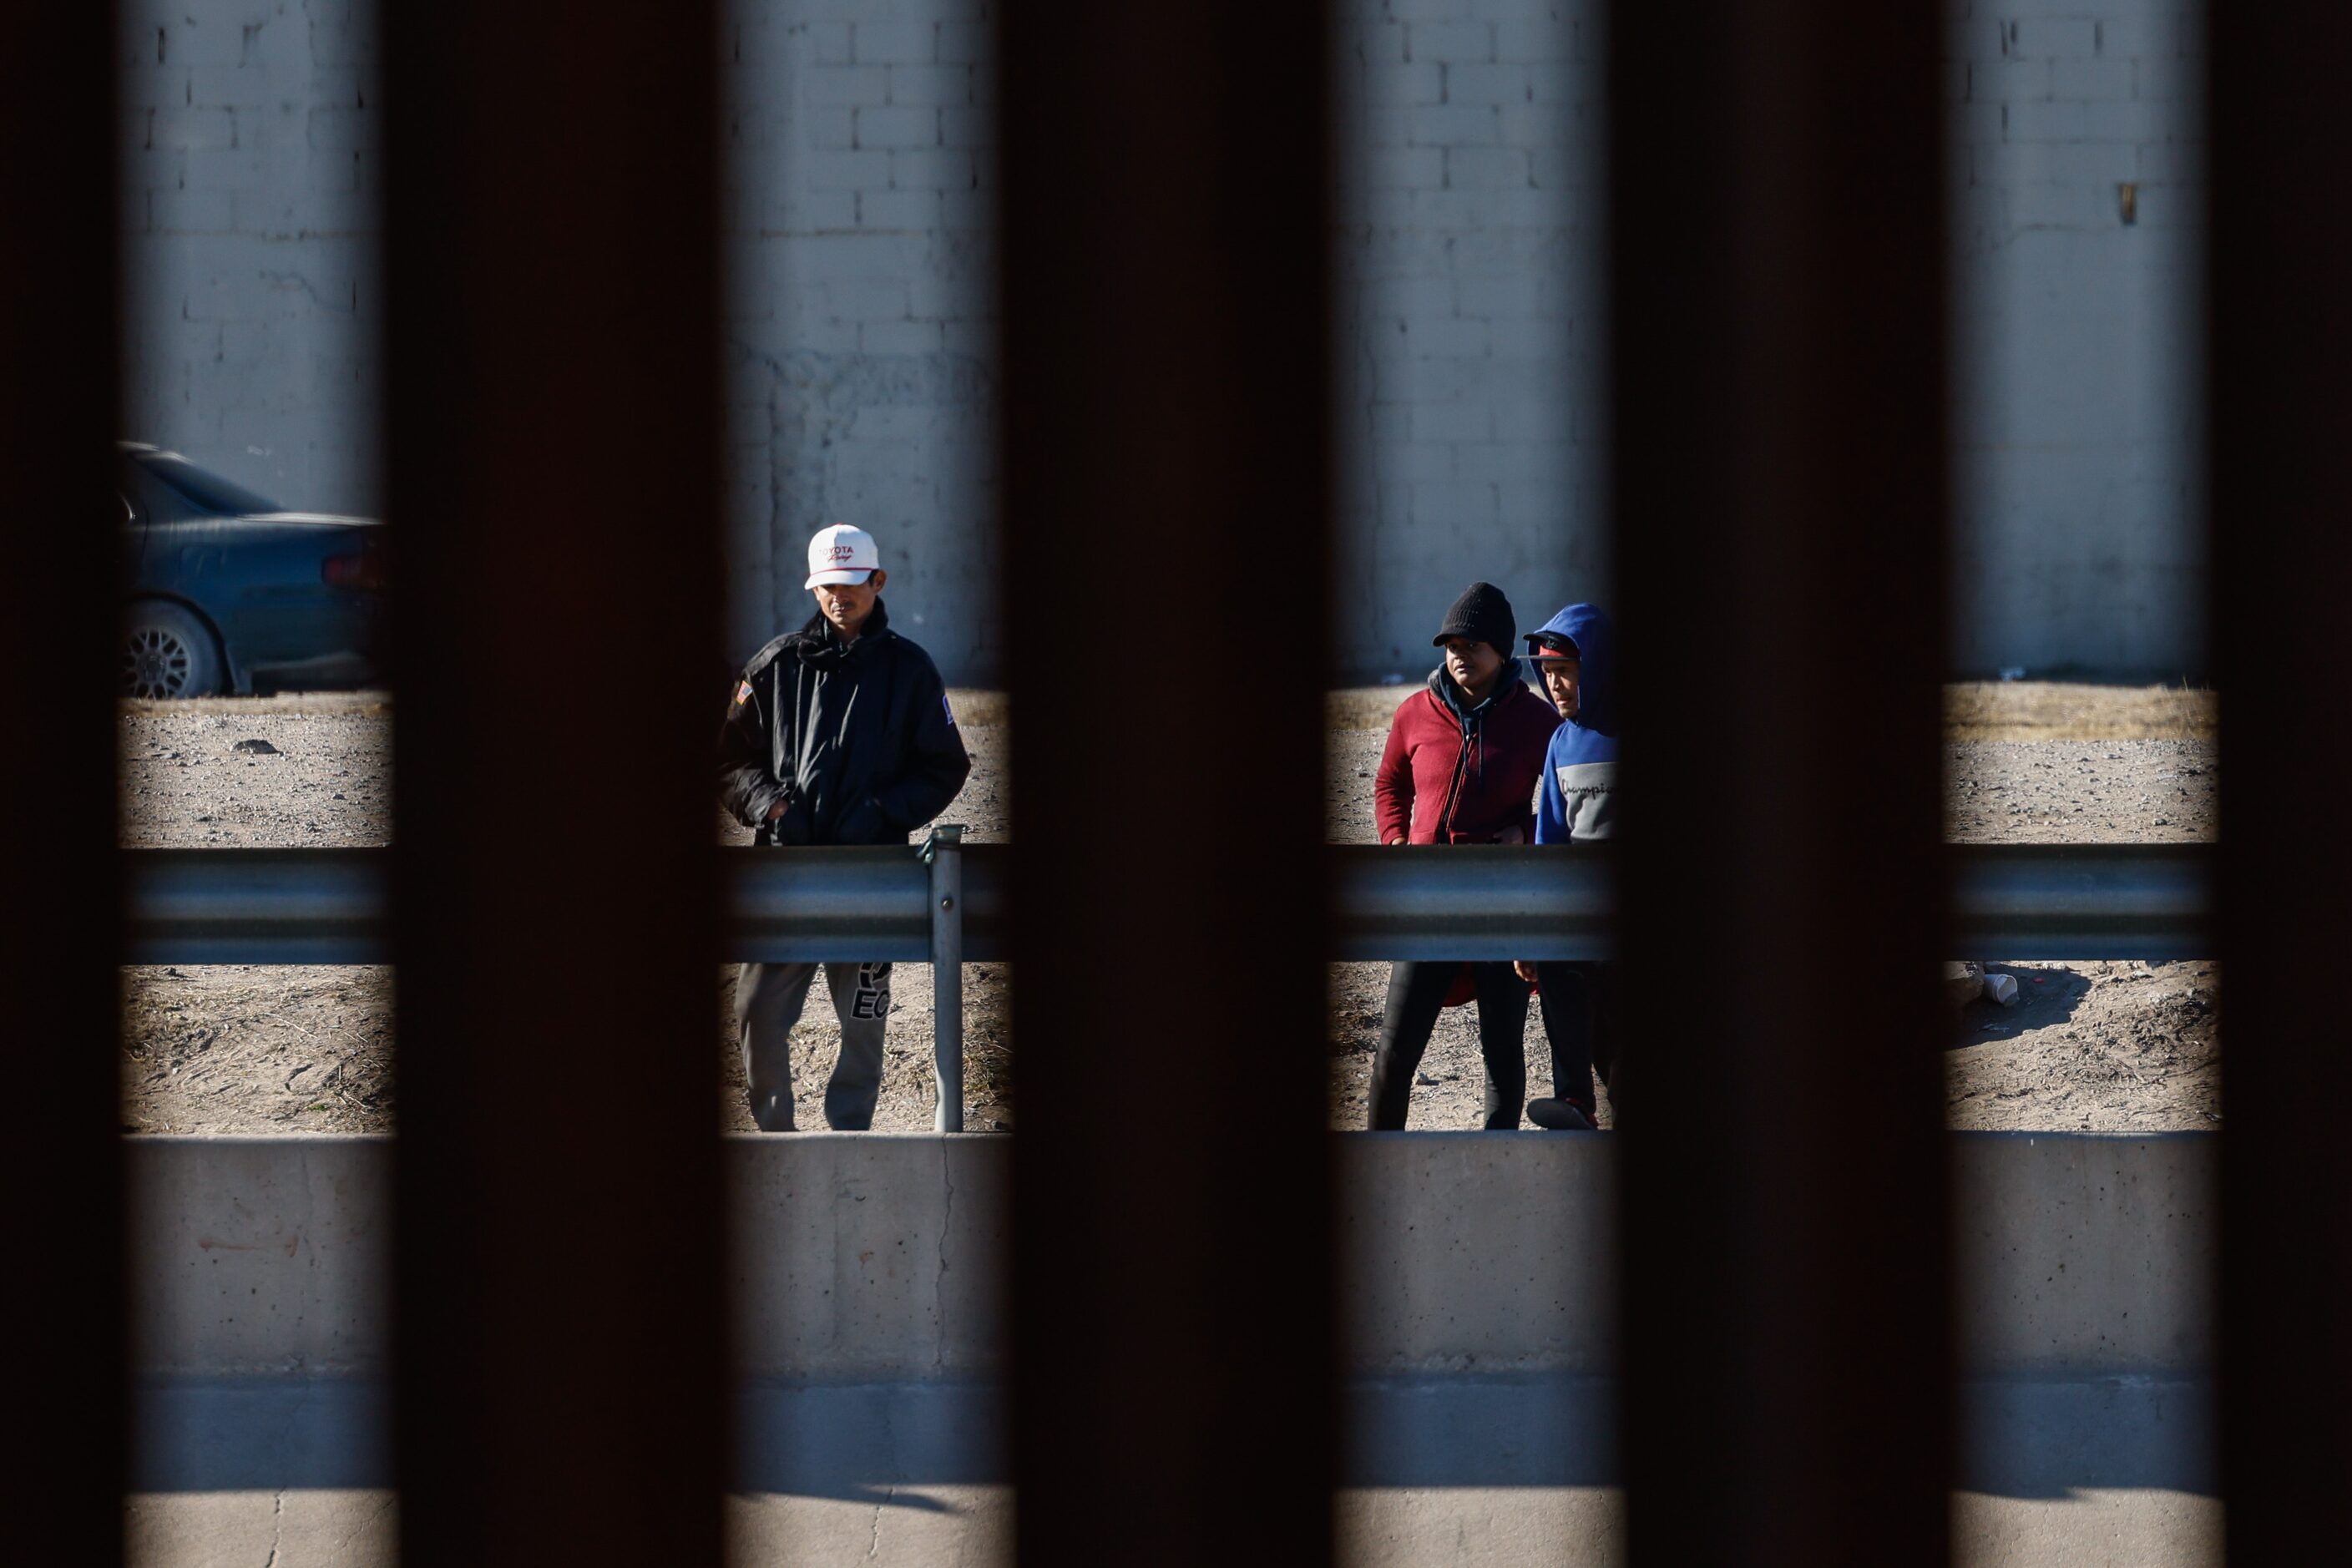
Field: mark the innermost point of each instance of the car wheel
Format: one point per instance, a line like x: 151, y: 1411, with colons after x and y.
x: 168, y: 652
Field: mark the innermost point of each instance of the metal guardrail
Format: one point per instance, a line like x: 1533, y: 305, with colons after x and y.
x: 1468, y: 903
x: 332, y: 906
x: 2058, y: 901
x: 257, y: 906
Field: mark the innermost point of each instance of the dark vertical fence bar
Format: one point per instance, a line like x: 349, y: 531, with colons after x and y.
x: 552, y: 267
x: 1166, y: 367
x: 1777, y: 265
x: 2281, y: 279
x: 60, y: 1166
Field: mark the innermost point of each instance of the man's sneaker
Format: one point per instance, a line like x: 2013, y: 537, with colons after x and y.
x: 1559, y: 1115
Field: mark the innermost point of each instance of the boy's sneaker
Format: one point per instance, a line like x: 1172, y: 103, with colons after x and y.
x: 1559, y: 1116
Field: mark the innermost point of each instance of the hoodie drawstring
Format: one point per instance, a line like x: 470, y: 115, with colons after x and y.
x: 1473, y: 731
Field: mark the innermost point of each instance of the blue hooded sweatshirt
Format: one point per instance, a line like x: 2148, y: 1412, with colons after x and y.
x: 1573, y: 801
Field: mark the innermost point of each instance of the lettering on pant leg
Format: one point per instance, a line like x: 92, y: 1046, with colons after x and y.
x: 873, y: 999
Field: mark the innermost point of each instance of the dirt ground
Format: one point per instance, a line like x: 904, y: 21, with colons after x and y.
x: 246, y: 1049
x: 2111, y: 1047
x: 2107, y: 1047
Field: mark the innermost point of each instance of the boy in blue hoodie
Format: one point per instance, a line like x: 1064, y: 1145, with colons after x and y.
x: 1575, y: 655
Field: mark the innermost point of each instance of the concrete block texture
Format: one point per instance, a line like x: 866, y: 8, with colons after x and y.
x: 861, y: 362
x: 867, y: 1256
x: 861, y: 1256
x: 854, y: 1258
x: 2087, y: 1253
x: 1476, y: 1252
x: 254, y: 130
x: 895, y: 43
x: 1471, y: 312
x: 1451, y: 42
x: 2056, y: 37
x: 254, y: 1256
x: 2078, y: 375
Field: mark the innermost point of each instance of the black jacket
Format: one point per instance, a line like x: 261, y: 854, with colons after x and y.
x: 857, y: 737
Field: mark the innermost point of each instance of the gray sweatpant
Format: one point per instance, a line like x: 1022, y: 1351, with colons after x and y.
x: 768, y: 1002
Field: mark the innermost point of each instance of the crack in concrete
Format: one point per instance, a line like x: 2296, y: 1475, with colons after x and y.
x: 277, y: 1527
x: 874, y: 1546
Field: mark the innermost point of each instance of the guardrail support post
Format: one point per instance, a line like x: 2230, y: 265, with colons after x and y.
x: 943, y: 853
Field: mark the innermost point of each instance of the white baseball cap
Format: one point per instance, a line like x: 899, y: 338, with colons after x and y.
x: 842, y: 555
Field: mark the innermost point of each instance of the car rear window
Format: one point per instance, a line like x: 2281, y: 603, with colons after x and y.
x: 207, y: 491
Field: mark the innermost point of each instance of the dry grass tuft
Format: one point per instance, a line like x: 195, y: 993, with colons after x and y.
x: 977, y: 708
x: 1973, y: 710
x: 1364, y: 707
x: 2060, y: 710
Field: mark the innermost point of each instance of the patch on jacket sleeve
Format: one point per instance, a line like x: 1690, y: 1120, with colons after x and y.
x: 742, y: 693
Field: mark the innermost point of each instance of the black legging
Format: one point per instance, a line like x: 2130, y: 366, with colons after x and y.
x: 1579, y: 1014
x: 1416, y: 995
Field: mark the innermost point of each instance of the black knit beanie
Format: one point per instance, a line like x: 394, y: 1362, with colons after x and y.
x: 1481, y: 615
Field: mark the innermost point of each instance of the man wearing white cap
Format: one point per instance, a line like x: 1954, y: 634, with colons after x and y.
x: 838, y: 734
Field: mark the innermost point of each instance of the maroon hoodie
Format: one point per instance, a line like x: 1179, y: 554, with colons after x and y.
x: 1455, y: 777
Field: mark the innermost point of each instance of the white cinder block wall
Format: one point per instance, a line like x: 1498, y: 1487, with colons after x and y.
x: 251, y: 189
x: 1470, y: 384
x: 1471, y: 405
x: 2080, y: 345
x: 860, y: 341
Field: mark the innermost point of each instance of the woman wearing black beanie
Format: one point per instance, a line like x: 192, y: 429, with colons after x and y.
x: 1461, y: 764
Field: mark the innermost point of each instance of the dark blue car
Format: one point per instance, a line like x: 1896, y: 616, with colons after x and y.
x: 230, y: 592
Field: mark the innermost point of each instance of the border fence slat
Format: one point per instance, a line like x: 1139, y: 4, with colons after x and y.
x: 1777, y: 265
x: 553, y: 369
x: 2281, y: 532
x: 61, y: 1165
x: 1165, y: 391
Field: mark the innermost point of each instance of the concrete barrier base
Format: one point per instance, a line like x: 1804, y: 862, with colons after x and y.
x: 1477, y: 1316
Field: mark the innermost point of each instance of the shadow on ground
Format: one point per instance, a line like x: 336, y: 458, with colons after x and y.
x: 2044, y: 997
